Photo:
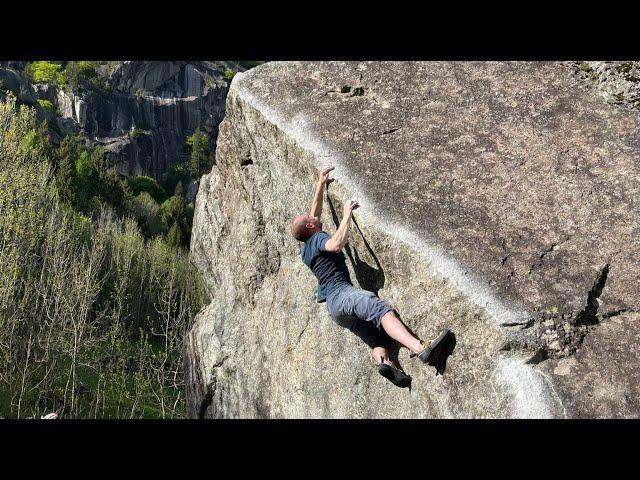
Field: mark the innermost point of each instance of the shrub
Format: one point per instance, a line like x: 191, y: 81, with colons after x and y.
x: 93, y: 316
x: 147, y: 184
x: 177, y: 173
x: 46, y: 72
x: 47, y: 105
x: 83, y: 72
x: 174, y: 237
x: 176, y: 211
x: 86, y: 69
x: 148, y: 215
x: 228, y: 73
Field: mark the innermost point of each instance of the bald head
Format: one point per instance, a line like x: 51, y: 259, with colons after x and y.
x: 303, y: 226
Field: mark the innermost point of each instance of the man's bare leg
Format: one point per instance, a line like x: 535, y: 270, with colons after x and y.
x: 381, y: 355
x: 396, y: 330
x: 394, y: 374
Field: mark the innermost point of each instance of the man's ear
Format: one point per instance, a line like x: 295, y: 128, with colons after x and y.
x: 309, y: 225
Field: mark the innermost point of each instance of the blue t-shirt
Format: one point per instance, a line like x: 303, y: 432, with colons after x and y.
x: 329, y: 268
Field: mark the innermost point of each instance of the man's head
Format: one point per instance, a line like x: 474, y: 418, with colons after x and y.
x: 303, y: 226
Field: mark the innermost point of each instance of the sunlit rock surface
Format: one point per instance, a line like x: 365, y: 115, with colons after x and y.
x: 498, y: 199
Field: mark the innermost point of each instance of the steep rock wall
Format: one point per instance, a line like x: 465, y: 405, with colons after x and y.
x: 499, y: 199
x: 143, y: 113
x: 165, y: 102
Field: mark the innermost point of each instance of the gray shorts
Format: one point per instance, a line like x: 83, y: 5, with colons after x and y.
x: 360, y: 311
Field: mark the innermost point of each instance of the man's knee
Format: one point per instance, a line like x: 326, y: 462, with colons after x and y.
x: 391, y: 314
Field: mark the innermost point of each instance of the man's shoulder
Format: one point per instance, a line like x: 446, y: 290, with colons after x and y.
x: 318, y: 235
x: 314, y: 243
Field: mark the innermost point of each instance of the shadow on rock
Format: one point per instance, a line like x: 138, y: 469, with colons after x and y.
x: 369, y: 277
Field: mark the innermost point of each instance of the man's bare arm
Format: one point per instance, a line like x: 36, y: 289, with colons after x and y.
x: 339, y: 239
x: 323, y: 179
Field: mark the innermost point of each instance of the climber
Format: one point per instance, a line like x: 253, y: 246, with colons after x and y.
x: 361, y: 311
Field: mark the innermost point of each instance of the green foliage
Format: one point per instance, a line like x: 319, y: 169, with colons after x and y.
x: 177, y: 173
x: 200, y: 160
x: 92, y: 315
x: 67, y: 177
x: 87, y: 69
x: 114, y: 192
x: 81, y: 73
x: 46, y: 72
x: 147, y: 184
x: 47, y: 105
x: 148, y: 215
x: 228, y: 73
x: 85, y: 182
x: 176, y: 212
x: 174, y: 237
x: 24, y: 174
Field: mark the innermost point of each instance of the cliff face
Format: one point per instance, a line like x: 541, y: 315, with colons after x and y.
x: 142, y: 114
x: 498, y: 199
x: 166, y: 101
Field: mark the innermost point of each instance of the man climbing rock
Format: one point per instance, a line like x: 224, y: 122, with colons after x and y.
x: 361, y: 311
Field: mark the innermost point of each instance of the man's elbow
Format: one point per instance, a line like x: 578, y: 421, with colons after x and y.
x: 332, y: 246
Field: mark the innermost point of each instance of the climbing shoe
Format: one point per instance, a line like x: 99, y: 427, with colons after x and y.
x: 445, y: 349
x: 431, y: 353
x: 395, y: 376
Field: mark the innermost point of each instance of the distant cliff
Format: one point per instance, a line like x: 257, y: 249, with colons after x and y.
x: 141, y: 112
x: 498, y: 199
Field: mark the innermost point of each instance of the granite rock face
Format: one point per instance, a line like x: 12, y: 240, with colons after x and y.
x: 498, y: 199
x: 617, y: 82
x: 152, y: 107
x: 143, y: 114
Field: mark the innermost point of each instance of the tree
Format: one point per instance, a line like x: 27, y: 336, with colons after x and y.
x: 66, y: 178
x: 200, y: 156
x: 93, y: 316
x: 175, y: 211
x: 174, y: 238
x: 46, y: 72
x: 148, y: 216
x: 79, y: 73
x: 115, y: 192
x: 143, y: 183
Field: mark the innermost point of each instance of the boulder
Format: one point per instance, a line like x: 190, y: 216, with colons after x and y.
x: 498, y: 199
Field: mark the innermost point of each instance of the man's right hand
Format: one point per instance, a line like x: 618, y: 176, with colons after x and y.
x: 350, y: 206
x: 339, y: 239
